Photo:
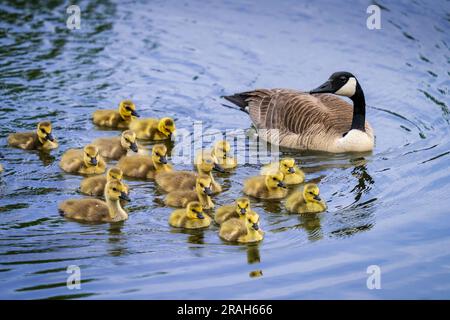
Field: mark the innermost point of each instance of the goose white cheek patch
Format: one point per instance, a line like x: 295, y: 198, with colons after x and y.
x: 348, y: 89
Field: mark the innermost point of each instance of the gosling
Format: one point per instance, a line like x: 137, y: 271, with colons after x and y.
x: 116, y: 119
x: 117, y: 147
x: 84, y: 161
x: 266, y: 187
x: 292, y: 173
x: 242, y: 230
x: 201, y: 193
x: 95, y: 186
x: 95, y: 210
x: 41, y: 139
x: 192, y: 217
x: 306, y: 201
x: 153, y: 129
x: 221, y: 153
x: 185, y: 180
x: 237, y: 210
x: 144, y: 166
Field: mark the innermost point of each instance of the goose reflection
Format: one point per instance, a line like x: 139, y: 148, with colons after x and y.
x: 116, y: 239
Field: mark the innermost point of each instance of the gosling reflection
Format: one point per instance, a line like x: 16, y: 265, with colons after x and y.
x: 46, y: 158
x: 312, y: 225
x: 116, y: 240
x: 253, y: 255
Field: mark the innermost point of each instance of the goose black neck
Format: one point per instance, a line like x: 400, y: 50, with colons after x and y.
x: 359, y: 109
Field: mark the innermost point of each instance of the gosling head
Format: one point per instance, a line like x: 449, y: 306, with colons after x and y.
x: 115, y: 191
x: 242, y: 206
x: 90, y: 156
x: 44, y: 131
x: 275, y: 180
x: 311, y: 193
x: 159, y: 154
x: 206, y: 163
x: 127, y: 109
x: 114, y: 174
x: 166, y: 126
x: 222, y: 148
x: 253, y: 221
x: 287, y: 166
x: 203, y: 184
x: 128, y: 140
x: 341, y: 83
x: 194, y: 210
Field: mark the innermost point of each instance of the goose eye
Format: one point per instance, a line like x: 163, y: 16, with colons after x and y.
x: 342, y: 78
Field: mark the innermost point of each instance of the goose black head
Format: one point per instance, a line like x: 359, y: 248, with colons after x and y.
x: 341, y: 83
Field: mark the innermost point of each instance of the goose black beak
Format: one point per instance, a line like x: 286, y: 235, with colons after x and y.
x: 255, y: 226
x: 134, y: 114
x: 243, y: 211
x: 218, y: 168
x: 208, y: 191
x: 326, y: 87
x: 281, y: 184
x: 134, y: 147
x: 200, y: 215
x: 163, y: 159
x: 49, y: 137
x: 94, y: 161
x: 318, y: 198
x: 291, y: 170
x: 124, y: 196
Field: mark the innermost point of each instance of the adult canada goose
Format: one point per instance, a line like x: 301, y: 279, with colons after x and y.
x: 117, y: 119
x: 116, y: 147
x: 95, y: 210
x: 41, y: 139
x: 314, y: 120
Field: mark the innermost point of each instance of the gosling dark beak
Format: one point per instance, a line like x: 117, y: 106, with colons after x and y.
x: 49, y: 137
x: 163, y: 159
x: 124, y: 196
x: 200, y: 215
x: 255, y: 226
x: 218, y: 168
x: 326, y: 87
x: 134, y: 114
x: 170, y: 135
x: 94, y: 161
x: 318, y: 198
x: 208, y: 191
x: 134, y: 147
x: 281, y: 184
x: 291, y: 170
x: 243, y: 211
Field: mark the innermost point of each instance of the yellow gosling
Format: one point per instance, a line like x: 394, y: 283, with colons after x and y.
x: 144, y: 166
x: 84, y: 161
x: 201, y: 193
x: 185, y: 180
x: 95, y: 186
x: 192, y: 217
x: 41, y: 139
x: 117, y: 147
x: 243, y: 230
x: 237, y: 210
x: 306, y: 201
x: 266, y: 187
x: 153, y: 129
x: 95, y: 210
x: 221, y: 152
x: 116, y: 119
x: 292, y: 173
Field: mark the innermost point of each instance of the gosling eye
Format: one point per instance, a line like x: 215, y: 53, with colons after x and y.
x: 201, y: 185
x: 128, y: 108
x: 115, y: 189
x: 43, y: 131
x: 157, y: 153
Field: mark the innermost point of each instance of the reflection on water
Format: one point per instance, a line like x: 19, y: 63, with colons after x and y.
x: 385, y: 207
